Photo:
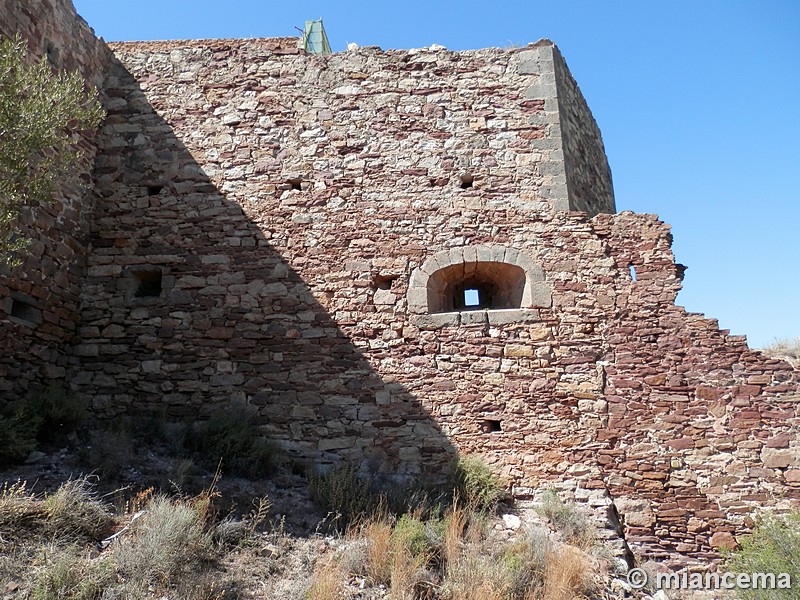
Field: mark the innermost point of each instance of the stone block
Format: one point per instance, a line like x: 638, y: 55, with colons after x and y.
x: 384, y: 297
x: 723, y: 540
x: 339, y: 443
x: 437, y: 321
x: 517, y: 350
x: 775, y: 458
x: 539, y: 296
x: 474, y: 317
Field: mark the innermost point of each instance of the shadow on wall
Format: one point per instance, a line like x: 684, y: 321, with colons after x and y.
x: 188, y: 306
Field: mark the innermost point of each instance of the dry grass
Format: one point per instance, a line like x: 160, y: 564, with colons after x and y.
x: 174, y: 549
x: 788, y: 350
x: 74, y: 513
x: 19, y: 508
x: 327, y: 583
x: 457, y: 558
x: 70, y: 573
x: 378, y: 560
x: 568, y: 574
x: 48, y: 546
x: 71, y: 514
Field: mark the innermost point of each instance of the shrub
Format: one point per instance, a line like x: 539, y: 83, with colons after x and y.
x: 568, y: 519
x: 413, y: 536
x: 60, y: 412
x: 39, y: 113
x: 19, y: 428
x: 773, y: 547
x: 526, y: 562
x: 45, y: 416
x: 344, y: 493
x: 476, y: 485
x: 232, y: 435
x: 166, y: 542
x: 109, y: 451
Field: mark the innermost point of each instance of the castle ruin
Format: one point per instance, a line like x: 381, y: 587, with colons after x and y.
x: 395, y: 256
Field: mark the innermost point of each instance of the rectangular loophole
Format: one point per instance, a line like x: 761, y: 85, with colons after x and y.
x: 491, y: 426
x: 472, y: 297
x: 25, y: 311
x: 149, y: 283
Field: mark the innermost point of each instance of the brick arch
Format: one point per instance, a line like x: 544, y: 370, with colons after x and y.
x: 518, y: 277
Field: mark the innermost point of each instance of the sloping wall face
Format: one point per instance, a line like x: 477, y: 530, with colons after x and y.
x: 589, y: 186
x: 39, y: 299
x: 284, y: 230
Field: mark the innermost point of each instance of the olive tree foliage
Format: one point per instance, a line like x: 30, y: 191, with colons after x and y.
x: 41, y: 112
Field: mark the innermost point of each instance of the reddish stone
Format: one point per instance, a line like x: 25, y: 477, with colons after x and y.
x: 723, y: 540
x: 780, y: 441
x: 684, y: 443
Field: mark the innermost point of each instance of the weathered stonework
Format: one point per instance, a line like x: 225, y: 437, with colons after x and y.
x: 288, y: 230
x: 45, y: 290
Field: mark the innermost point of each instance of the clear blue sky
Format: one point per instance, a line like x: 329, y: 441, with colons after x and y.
x: 698, y: 102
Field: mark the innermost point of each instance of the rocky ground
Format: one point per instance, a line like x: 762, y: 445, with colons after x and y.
x: 281, y: 558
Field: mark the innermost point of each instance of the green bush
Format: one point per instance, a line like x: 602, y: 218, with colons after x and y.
x: 413, y: 535
x: 773, y: 547
x: 40, y: 111
x: 233, y: 436
x: 476, y: 485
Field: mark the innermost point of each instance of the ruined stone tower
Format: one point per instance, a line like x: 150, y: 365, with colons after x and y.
x: 395, y: 256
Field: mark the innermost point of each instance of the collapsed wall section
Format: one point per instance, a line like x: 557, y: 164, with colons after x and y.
x: 39, y: 299
x: 589, y: 185
x: 702, y: 430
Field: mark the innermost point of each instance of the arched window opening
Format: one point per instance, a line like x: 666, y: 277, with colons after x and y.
x: 476, y: 286
x: 480, y: 283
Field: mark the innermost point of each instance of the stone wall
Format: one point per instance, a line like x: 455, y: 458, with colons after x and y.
x: 288, y: 231
x: 39, y: 300
x: 701, y: 431
x: 577, y: 161
x: 291, y: 207
x: 588, y: 175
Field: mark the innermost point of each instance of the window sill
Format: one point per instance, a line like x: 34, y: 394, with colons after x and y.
x: 476, y: 317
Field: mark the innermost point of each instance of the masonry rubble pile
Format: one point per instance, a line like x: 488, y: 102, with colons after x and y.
x: 296, y: 232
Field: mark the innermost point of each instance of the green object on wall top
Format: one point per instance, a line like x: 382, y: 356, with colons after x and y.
x: 315, y: 41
